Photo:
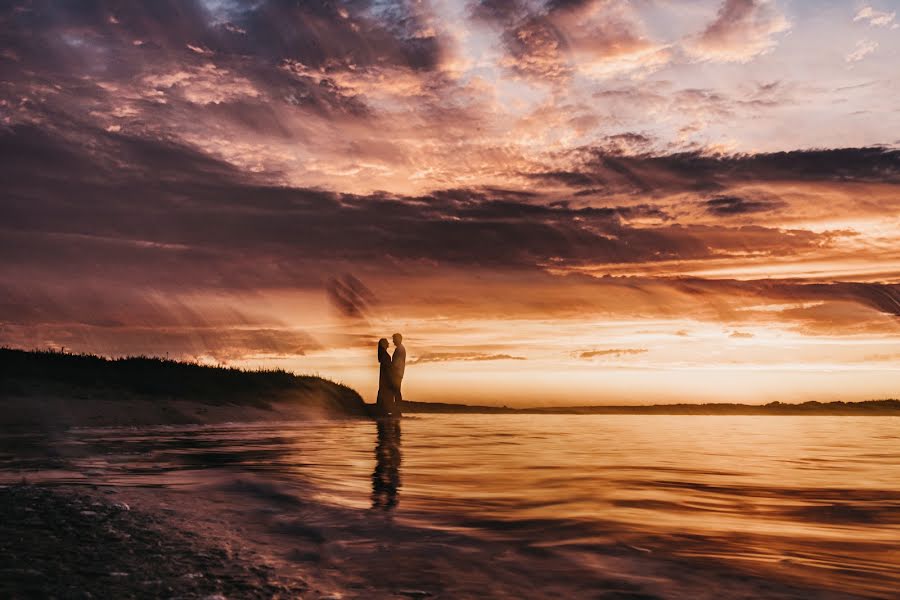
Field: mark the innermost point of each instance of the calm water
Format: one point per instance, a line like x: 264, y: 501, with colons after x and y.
x: 809, y: 504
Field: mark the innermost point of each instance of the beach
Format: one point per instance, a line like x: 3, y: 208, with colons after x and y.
x: 74, y: 543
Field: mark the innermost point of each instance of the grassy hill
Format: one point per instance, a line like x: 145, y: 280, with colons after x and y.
x: 75, y: 381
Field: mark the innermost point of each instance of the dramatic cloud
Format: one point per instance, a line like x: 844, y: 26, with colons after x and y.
x: 648, y: 173
x: 725, y: 206
x: 238, y: 233
x: 271, y: 182
x: 559, y: 39
x: 742, y: 30
x: 205, y: 84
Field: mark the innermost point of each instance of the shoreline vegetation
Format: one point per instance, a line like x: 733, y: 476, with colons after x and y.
x: 57, y: 389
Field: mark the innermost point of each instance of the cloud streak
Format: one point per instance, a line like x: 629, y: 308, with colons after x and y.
x: 439, y: 357
x: 612, y: 352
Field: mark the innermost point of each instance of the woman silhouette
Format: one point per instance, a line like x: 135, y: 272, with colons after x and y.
x: 385, y: 400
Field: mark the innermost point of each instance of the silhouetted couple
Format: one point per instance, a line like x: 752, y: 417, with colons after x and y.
x: 390, y: 377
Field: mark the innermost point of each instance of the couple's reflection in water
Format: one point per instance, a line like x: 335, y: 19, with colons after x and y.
x: 386, y: 476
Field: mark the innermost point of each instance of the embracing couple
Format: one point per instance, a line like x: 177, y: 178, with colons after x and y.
x: 390, y: 376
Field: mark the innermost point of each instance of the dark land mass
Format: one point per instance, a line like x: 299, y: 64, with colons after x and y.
x: 867, y: 408
x: 59, y: 389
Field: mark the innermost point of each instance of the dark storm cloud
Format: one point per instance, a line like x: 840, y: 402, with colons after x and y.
x: 159, y: 60
x: 88, y: 156
x: 727, y: 206
x: 648, y: 173
x: 320, y: 34
x: 884, y: 298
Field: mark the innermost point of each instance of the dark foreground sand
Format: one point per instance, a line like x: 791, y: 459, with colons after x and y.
x: 59, y: 543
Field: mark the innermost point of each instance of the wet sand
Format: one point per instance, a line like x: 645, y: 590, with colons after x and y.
x: 77, y: 542
x: 62, y: 543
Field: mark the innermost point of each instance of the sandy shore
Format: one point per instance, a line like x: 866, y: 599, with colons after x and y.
x: 62, y: 543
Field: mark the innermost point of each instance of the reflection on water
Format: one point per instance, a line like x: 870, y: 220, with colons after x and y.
x: 813, y: 501
x: 386, y: 476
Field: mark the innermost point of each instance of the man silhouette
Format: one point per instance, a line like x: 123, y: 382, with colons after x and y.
x: 398, y: 367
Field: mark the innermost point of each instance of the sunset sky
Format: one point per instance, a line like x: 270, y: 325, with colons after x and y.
x: 557, y: 202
